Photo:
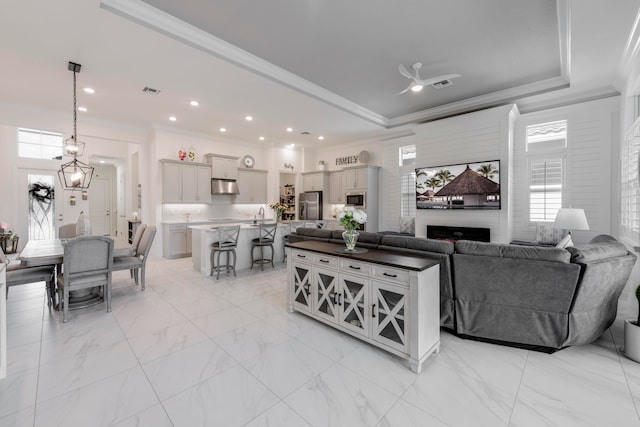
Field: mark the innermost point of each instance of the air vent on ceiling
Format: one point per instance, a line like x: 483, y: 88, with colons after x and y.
x: 305, y: 133
x: 151, y: 90
x: 442, y: 83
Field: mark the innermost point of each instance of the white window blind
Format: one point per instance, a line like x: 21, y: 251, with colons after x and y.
x: 545, y: 189
x: 630, y: 187
x: 408, y: 194
x: 38, y: 144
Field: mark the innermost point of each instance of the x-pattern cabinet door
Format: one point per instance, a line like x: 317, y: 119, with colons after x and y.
x: 326, y: 294
x: 354, y: 302
x: 389, y: 311
x: 301, y: 290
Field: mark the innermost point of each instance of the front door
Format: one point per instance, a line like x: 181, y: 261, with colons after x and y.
x: 40, y: 208
x: 100, y: 206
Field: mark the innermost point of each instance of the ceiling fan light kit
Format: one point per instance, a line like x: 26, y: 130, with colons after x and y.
x: 418, y: 83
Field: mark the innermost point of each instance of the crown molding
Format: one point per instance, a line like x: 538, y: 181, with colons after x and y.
x: 157, y: 20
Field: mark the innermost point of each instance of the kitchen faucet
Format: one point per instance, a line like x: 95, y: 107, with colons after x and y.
x: 261, y: 212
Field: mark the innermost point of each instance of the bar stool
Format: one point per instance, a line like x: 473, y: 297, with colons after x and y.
x: 266, y: 237
x: 227, y: 243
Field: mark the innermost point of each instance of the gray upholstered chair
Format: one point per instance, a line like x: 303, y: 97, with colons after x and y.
x: 266, y: 237
x: 18, y: 274
x: 87, y: 264
x: 67, y: 231
x: 227, y: 244
x: 137, y: 262
x: 138, y: 236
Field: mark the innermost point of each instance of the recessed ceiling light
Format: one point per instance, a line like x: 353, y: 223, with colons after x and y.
x: 223, y: 129
x: 89, y: 90
x: 102, y: 161
x: 321, y: 137
x: 291, y: 145
x: 261, y: 138
x: 172, y: 118
x: 194, y: 103
x: 83, y: 109
x: 289, y: 129
x: 248, y: 118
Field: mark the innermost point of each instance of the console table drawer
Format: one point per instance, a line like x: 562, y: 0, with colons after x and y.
x: 355, y: 267
x: 302, y: 256
x: 391, y: 274
x: 326, y: 261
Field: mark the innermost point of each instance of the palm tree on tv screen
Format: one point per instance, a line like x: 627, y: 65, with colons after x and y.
x: 487, y: 170
x: 445, y: 176
x: 433, y: 183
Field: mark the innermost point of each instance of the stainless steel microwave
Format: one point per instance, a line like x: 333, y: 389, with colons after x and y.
x: 357, y: 199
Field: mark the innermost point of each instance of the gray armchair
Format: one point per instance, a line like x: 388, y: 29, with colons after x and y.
x: 87, y: 264
x: 138, y: 262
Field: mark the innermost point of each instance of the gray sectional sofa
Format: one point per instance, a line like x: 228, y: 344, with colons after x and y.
x: 542, y: 298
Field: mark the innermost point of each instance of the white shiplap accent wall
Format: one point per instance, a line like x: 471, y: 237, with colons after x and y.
x: 474, y: 137
x: 591, y: 129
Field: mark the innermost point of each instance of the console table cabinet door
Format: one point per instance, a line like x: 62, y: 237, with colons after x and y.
x: 301, y: 289
x: 389, y: 311
x: 354, y: 304
x: 326, y: 294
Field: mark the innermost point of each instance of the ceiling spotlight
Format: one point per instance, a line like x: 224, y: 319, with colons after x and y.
x: 248, y: 118
x: 83, y: 109
x: 194, y: 103
x: 289, y: 129
x: 89, y: 90
x: 416, y: 88
x: 223, y: 129
x: 102, y: 161
x: 172, y: 118
x: 321, y: 137
x: 291, y: 145
x: 261, y: 138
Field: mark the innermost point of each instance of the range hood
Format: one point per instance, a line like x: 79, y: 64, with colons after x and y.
x: 224, y: 186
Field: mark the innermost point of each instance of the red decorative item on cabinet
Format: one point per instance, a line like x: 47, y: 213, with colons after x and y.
x: 182, y: 154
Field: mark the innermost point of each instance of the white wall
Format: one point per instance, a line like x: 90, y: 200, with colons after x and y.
x: 592, y: 135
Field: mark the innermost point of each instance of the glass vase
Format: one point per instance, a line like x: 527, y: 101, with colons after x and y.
x: 350, y: 238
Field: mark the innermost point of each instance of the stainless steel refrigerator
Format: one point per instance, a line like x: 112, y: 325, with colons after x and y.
x: 310, y: 205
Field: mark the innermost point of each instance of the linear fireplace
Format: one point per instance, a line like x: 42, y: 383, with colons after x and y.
x: 442, y: 232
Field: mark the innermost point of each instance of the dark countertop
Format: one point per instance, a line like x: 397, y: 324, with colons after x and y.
x: 376, y: 256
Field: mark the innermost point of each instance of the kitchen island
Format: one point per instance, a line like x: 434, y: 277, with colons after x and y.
x: 204, y: 235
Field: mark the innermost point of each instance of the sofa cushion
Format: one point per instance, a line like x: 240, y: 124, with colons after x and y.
x: 417, y: 243
x: 597, y: 251
x: 314, y: 232
x: 469, y: 247
x: 500, y: 250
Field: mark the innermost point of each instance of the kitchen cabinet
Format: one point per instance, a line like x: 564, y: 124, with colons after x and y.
x: 288, y: 197
x: 315, y: 181
x: 223, y: 167
x: 336, y: 192
x: 252, y: 184
x: 185, y: 182
x: 176, y: 241
x: 357, y: 178
x: 393, y: 308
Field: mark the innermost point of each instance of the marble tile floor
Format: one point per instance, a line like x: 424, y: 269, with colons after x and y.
x: 193, y: 351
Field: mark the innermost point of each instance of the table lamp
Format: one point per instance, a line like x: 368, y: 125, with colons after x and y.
x: 571, y: 219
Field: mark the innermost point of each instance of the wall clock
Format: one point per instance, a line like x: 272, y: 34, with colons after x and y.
x: 248, y: 161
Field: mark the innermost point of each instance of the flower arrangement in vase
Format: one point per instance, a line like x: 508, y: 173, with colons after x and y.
x: 351, y: 219
x: 279, y: 209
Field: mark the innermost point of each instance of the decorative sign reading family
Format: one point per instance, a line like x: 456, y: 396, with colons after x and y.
x: 362, y: 157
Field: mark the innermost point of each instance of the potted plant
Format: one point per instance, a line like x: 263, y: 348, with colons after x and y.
x: 279, y: 208
x: 632, y: 334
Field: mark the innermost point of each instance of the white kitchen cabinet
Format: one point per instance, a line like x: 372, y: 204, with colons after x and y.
x: 176, y: 242
x: 223, y: 167
x: 364, y: 179
x: 185, y: 182
x: 315, y: 181
x: 252, y: 185
x: 394, y: 307
x: 336, y: 192
x: 357, y: 178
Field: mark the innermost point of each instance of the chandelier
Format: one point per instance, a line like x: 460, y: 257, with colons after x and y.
x: 74, y: 175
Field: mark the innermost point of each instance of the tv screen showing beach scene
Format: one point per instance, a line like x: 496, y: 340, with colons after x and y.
x: 462, y: 186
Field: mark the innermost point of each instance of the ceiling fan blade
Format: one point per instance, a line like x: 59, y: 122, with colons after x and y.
x: 404, y: 72
x: 431, y: 80
x: 406, y: 90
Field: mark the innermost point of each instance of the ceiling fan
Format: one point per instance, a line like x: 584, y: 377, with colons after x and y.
x: 417, y: 84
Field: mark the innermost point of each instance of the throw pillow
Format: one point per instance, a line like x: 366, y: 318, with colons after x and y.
x: 566, y: 242
x: 407, y: 225
x: 547, y: 235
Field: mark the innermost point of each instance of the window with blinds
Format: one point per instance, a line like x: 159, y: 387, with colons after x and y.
x: 408, y: 194
x: 38, y: 144
x: 545, y: 189
x: 630, y: 187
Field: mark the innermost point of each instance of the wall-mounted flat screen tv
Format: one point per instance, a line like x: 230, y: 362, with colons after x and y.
x: 462, y: 186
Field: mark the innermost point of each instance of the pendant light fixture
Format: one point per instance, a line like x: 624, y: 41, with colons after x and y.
x: 75, y: 175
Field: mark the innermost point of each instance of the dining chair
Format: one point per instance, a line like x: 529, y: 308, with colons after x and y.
x: 67, y: 231
x: 266, y: 237
x: 87, y: 264
x: 138, y: 236
x: 227, y: 244
x: 137, y: 262
x: 18, y: 274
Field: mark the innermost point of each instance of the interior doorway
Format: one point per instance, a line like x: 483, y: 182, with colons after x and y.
x: 100, y: 207
x: 287, y: 191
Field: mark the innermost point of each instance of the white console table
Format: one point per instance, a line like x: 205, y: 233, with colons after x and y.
x: 387, y: 299
x: 3, y: 321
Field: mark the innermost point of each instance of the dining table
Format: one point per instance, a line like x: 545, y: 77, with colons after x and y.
x: 37, y: 253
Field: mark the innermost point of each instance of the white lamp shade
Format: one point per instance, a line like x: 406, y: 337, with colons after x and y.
x: 571, y: 219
